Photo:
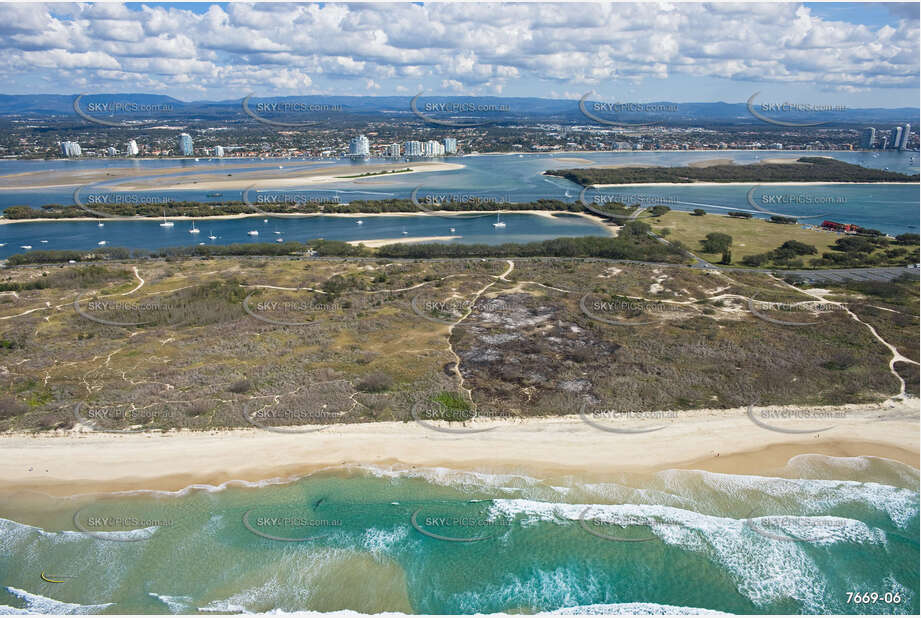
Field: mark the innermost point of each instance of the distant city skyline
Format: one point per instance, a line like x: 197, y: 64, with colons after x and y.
x: 856, y: 54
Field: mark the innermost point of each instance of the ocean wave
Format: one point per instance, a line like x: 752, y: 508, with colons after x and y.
x: 38, y: 604
x: 176, y: 604
x: 643, y: 609
x: 763, y: 569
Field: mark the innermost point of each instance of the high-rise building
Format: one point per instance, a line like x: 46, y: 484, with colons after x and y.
x: 895, y: 139
x: 218, y: 151
x: 869, y: 137
x: 393, y: 151
x: 885, y: 143
x: 432, y: 148
x: 111, y: 152
x: 185, y: 145
x: 450, y: 145
x: 412, y: 149
x: 359, y: 147
x: 906, y: 131
x: 71, y: 149
x: 131, y: 149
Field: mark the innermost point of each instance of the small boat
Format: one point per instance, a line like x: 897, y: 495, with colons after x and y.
x: 193, y: 229
x: 100, y: 225
x: 201, y: 243
x: 165, y: 222
x: 25, y: 246
x: 253, y: 233
x: 405, y: 232
x: 265, y: 220
x: 360, y: 222
x: 44, y: 242
x: 279, y: 240
x: 498, y: 222
x: 102, y: 242
x: 211, y: 235
x: 452, y: 230
x: 2, y: 244
x: 214, y: 195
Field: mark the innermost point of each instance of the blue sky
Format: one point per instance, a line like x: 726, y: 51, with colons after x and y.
x: 852, y: 54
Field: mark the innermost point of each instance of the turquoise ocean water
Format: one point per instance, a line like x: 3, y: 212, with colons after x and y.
x: 371, y: 540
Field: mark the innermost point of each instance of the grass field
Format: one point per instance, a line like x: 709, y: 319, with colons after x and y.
x: 749, y: 236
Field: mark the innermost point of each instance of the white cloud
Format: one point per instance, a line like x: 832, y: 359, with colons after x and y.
x: 464, y: 47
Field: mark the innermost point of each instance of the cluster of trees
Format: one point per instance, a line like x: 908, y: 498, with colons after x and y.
x: 807, y: 169
x: 847, y: 252
x: 787, y: 254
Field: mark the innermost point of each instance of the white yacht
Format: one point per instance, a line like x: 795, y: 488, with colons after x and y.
x: 25, y: 246
x: 100, y: 225
x: 193, y: 229
x: 253, y: 233
x: 499, y: 222
x: 165, y: 222
x: 102, y: 242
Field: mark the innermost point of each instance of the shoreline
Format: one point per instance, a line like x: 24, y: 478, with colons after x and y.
x: 383, y: 242
x: 73, y: 463
x: 746, y: 184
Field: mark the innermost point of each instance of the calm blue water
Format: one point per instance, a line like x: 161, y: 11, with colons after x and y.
x: 516, y: 178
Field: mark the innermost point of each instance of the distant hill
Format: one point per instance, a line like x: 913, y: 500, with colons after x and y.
x: 519, y: 108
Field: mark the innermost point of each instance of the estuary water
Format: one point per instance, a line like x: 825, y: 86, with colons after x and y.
x: 891, y: 208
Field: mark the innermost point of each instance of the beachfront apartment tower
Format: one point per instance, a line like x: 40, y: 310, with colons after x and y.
x: 896, y: 138
x: 393, y: 151
x: 218, y: 151
x: 450, y: 145
x: 71, y: 149
x: 359, y: 147
x: 131, y: 148
x: 412, y: 149
x: 906, y: 131
x: 111, y: 152
x: 869, y: 137
x: 185, y: 145
x: 432, y: 148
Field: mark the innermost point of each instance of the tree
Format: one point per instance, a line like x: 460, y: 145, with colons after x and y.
x: 908, y: 239
x: 727, y: 257
x: 698, y: 212
x: 658, y: 211
x: 794, y: 247
x: 716, y: 242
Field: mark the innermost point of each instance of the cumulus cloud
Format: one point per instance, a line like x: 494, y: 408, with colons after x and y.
x: 465, y: 48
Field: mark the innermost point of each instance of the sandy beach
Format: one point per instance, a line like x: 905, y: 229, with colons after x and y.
x: 273, y: 176
x: 382, y: 242
x: 722, y: 441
